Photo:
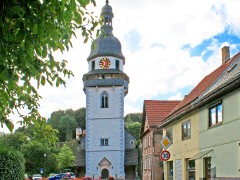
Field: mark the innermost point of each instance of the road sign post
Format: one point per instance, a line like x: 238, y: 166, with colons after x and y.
x: 165, y: 142
x: 164, y: 155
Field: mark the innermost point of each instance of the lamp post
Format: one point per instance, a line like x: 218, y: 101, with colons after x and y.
x: 44, y: 156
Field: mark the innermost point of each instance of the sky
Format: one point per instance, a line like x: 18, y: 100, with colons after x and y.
x: 169, y: 46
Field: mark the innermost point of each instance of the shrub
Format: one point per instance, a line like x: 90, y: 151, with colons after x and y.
x: 11, y: 164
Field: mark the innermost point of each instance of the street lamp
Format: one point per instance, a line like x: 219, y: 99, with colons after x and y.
x: 44, y: 156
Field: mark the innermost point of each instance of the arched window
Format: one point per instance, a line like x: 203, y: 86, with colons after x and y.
x: 104, y: 100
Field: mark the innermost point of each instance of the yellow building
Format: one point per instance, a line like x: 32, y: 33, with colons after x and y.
x: 205, y: 127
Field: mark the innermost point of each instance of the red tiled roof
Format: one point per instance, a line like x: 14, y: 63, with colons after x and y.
x: 200, y: 89
x: 157, y: 110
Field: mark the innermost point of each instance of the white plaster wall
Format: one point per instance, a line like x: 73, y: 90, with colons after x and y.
x: 105, y: 128
x: 105, y: 123
x: 116, y: 102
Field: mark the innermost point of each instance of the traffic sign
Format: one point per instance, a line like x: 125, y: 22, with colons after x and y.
x: 164, y: 155
x: 41, y: 170
x: 165, y: 142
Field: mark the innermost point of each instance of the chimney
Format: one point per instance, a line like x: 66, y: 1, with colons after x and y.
x: 225, y: 54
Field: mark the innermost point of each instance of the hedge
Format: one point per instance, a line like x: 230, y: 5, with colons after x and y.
x: 12, y: 164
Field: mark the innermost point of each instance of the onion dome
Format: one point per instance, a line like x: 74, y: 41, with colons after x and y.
x: 106, y: 44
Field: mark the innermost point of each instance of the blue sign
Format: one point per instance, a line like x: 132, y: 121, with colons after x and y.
x: 41, y: 170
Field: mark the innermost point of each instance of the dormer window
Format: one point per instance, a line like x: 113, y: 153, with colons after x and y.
x: 117, y: 64
x: 104, y: 100
x: 93, y: 65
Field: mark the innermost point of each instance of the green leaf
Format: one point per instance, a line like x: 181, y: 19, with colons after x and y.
x: 86, y: 40
x: 77, y: 17
x: 9, y: 124
x: 35, y: 29
x: 84, y: 3
x: 44, y: 52
x: 43, y: 80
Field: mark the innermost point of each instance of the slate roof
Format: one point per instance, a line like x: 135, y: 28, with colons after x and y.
x: 131, y: 157
x: 205, y: 85
x: 106, y: 44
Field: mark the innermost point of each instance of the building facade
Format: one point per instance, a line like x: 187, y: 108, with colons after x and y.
x: 105, y: 86
x: 153, y: 113
x: 205, y: 127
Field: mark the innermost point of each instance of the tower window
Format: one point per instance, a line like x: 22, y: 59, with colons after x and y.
x: 104, y: 100
x: 93, y: 65
x: 104, y: 142
x: 117, y: 64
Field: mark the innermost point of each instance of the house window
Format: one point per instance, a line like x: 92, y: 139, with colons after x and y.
x: 131, y: 142
x: 170, y: 169
x: 145, y: 164
x: 215, y: 115
x: 169, y: 134
x: 104, y: 142
x: 117, y: 64
x: 149, y: 141
x: 186, y: 130
x: 149, y: 163
x: 104, y: 100
x: 93, y: 65
x: 191, y: 169
x: 145, y: 142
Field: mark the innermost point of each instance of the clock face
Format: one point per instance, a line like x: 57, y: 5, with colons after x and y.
x: 105, y: 63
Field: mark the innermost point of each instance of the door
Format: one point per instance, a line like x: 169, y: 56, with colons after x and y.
x: 105, y: 174
x: 208, y: 168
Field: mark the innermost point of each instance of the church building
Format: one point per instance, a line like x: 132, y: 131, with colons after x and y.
x: 109, y: 148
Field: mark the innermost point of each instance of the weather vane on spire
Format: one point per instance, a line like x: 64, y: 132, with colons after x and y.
x: 107, y: 2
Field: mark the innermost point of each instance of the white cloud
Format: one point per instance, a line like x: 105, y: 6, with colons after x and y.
x: 153, y: 70
x: 159, y: 65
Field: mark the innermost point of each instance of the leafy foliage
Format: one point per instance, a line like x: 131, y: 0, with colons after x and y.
x: 44, y: 133
x: 80, y: 116
x: 11, y: 164
x: 34, y: 154
x: 13, y: 141
x: 30, y: 31
x: 65, y: 157
x: 133, y: 117
x: 67, y: 127
x: 135, y: 129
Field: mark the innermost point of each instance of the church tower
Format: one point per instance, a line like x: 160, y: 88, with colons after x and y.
x: 105, y: 86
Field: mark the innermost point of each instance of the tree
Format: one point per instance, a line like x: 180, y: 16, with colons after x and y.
x: 30, y: 31
x: 135, y: 129
x: 67, y: 127
x: 133, y: 117
x: 65, y: 157
x: 80, y: 116
x: 44, y: 133
x: 35, y: 159
x: 11, y: 164
x: 55, y: 117
x: 13, y: 141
